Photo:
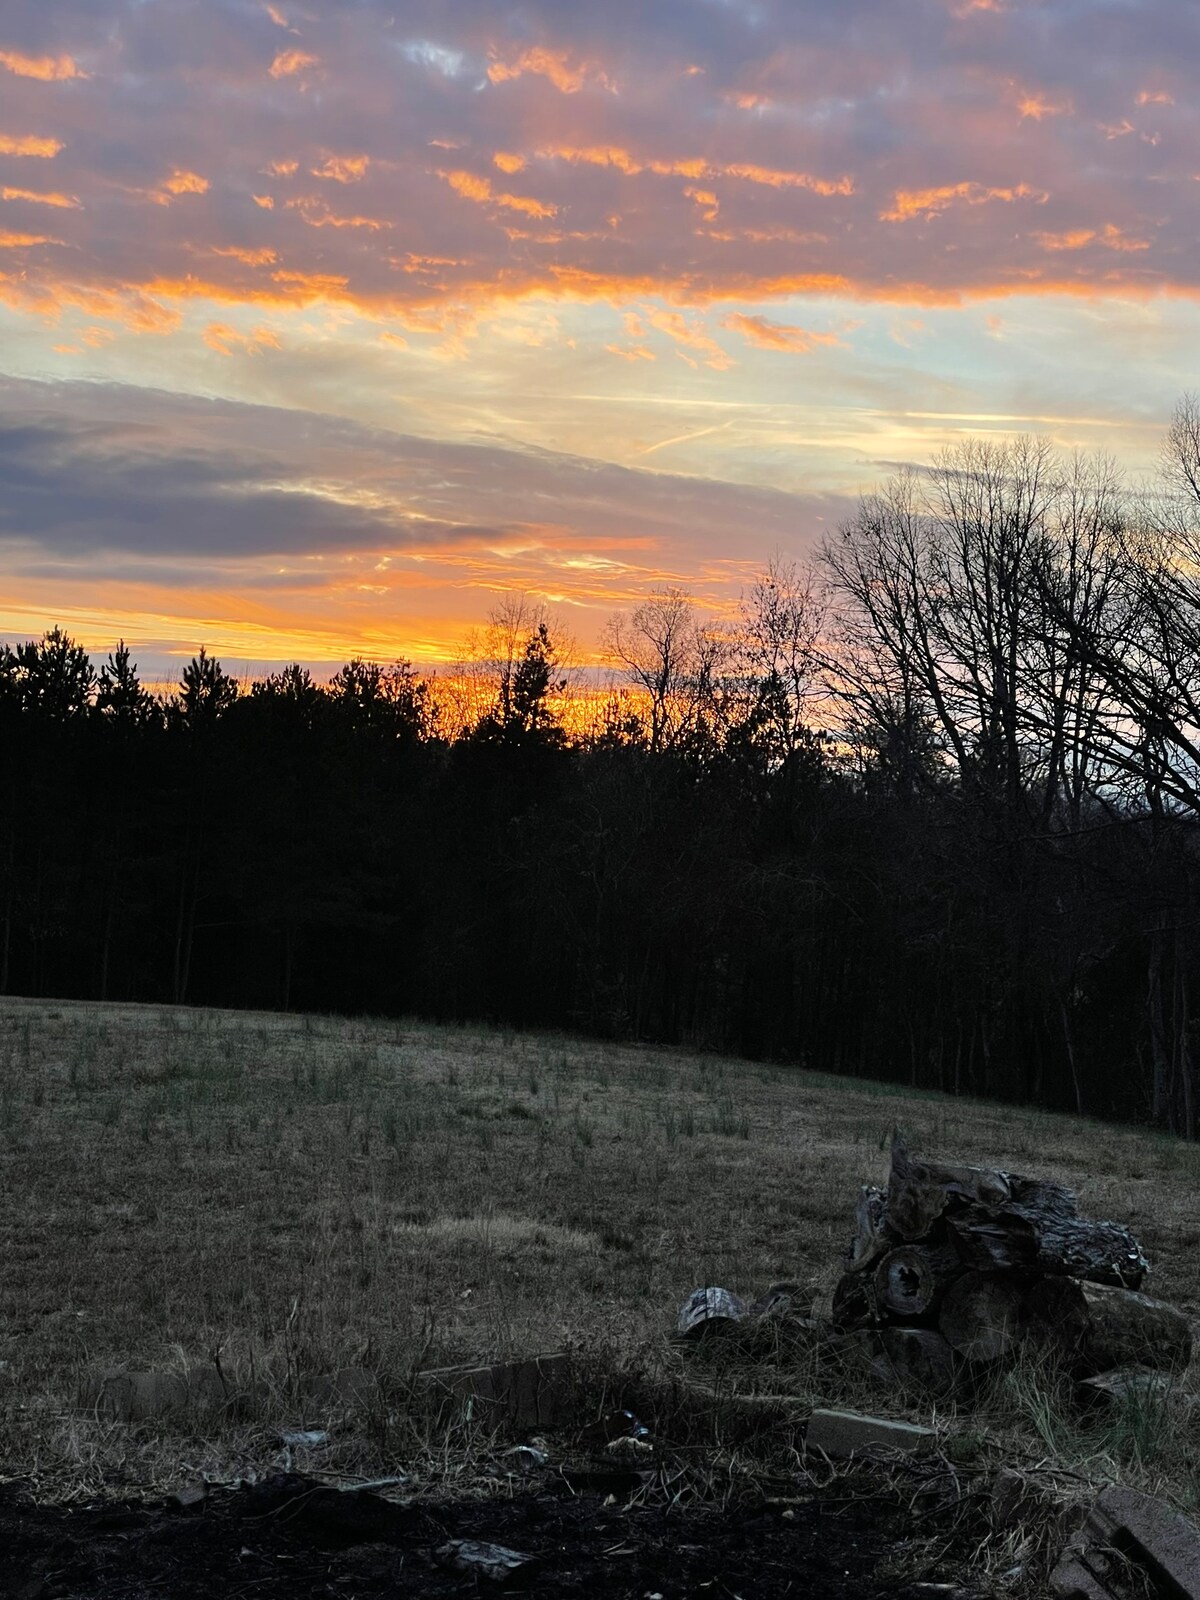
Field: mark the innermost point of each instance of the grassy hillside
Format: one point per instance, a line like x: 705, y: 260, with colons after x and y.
x: 304, y: 1194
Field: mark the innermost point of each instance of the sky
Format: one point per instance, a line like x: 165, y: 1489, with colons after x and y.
x: 325, y: 325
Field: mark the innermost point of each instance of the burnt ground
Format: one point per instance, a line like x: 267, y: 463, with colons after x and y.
x: 291, y: 1536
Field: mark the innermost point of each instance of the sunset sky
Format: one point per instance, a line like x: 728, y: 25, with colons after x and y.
x: 324, y: 324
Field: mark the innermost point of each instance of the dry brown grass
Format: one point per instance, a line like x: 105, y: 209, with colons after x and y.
x: 304, y: 1194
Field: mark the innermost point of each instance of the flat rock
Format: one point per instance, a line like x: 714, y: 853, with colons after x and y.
x: 1127, y: 1530
x: 841, y: 1434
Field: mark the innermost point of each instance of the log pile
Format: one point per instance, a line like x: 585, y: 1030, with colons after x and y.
x: 952, y: 1267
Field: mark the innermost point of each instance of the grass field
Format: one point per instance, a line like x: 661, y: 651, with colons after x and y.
x: 298, y: 1195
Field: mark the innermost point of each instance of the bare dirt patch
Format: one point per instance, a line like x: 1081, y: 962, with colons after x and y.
x: 289, y: 1537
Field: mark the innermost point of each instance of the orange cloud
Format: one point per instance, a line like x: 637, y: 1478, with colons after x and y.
x: 277, y: 17
x: 64, y: 202
x: 289, y: 62
x: 1110, y: 237
x: 768, y: 335
x: 22, y: 241
x: 508, y: 162
x: 927, y: 203
x: 1155, y: 97
x: 342, y: 169
x: 181, y: 182
x: 694, y: 167
x: 264, y: 200
x: 637, y: 353
x: 317, y: 214
x: 472, y: 187
x: 50, y: 69
x: 705, y: 197
x: 690, y: 334
x: 1035, y: 104
x: 251, y: 258
x: 397, y: 339
x: 135, y: 308
x: 790, y: 180
x: 549, y: 64
x: 228, y: 341
x: 28, y: 144
x: 281, y: 169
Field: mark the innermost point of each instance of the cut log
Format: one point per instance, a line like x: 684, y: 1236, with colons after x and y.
x: 1056, y: 1313
x: 706, y: 1310
x: 1100, y: 1327
x: 854, y: 1302
x: 917, y: 1360
x: 911, y: 1279
x: 981, y: 1316
x: 871, y: 1238
x: 920, y: 1191
x: 1125, y: 1329
x: 1033, y: 1239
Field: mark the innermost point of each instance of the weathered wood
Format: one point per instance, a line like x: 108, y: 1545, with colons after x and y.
x: 871, y: 1237
x: 1100, y: 1327
x: 981, y: 1315
x: 854, y: 1302
x: 707, y: 1309
x: 1031, y: 1239
x: 911, y: 1279
x: 920, y: 1191
x: 918, y: 1360
x: 1128, y: 1329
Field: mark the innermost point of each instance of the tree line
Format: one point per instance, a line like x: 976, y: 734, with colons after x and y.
x: 923, y: 811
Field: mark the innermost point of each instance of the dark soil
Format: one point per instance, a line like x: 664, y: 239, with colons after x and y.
x: 291, y: 1536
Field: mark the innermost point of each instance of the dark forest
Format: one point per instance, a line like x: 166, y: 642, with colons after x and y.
x: 924, y: 813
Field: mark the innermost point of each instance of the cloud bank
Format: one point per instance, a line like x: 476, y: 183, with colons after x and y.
x: 410, y: 159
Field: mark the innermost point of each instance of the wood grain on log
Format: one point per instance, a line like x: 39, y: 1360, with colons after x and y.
x: 911, y: 1279
x: 920, y: 1191
x: 871, y: 1237
x: 1032, y: 1239
x: 981, y: 1315
x: 1099, y: 1327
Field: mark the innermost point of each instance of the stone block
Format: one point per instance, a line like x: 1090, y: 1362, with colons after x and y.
x: 841, y: 1434
x: 122, y: 1396
x: 349, y: 1389
x: 536, y: 1392
x: 1126, y: 1529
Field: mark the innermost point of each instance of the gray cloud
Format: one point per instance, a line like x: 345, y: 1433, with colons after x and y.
x: 133, y: 483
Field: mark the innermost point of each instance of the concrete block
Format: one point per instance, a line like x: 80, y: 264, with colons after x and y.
x: 142, y: 1396
x: 841, y: 1434
x: 536, y: 1392
x: 348, y: 1390
x: 1126, y: 1529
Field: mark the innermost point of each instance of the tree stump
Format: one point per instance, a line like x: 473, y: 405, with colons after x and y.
x: 981, y: 1316
x: 911, y: 1279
